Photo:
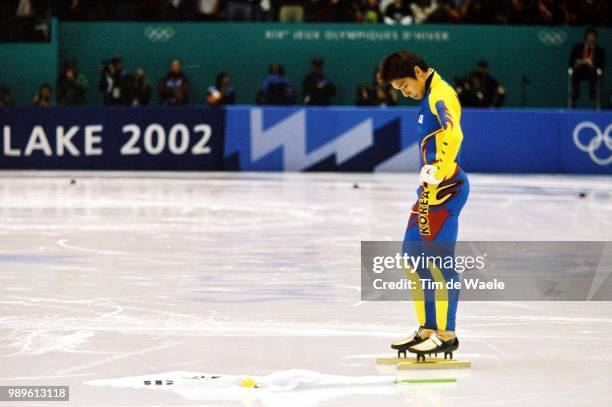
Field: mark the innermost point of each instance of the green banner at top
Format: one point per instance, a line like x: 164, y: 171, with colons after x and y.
x: 531, y: 62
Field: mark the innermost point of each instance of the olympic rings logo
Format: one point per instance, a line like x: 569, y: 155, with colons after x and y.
x: 158, y: 34
x: 596, y: 141
x: 552, y: 38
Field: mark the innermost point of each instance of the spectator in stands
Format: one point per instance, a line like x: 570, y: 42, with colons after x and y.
x: 264, y: 10
x: 44, y: 96
x: 138, y: 89
x: 207, y: 10
x: 446, y: 13
x: 39, y: 9
x: 6, y: 99
x: 545, y: 13
x: 565, y: 12
x: 24, y: 20
x: 478, y: 12
x: 569, y: 12
x: 480, y: 88
x: 291, y: 11
x: 379, y: 94
x: 222, y: 92
x: 72, y: 9
x: 330, y: 11
x: 587, y: 62
x: 422, y: 9
x: 398, y: 12
x: 317, y: 89
x: 369, y: 12
x: 384, y: 95
x: 239, y: 10
x: 177, y: 9
x: 173, y: 88
x: 363, y: 96
x: 112, y: 82
x: 71, y: 85
x: 588, y: 12
x: 276, y: 88
x: 517, y: 12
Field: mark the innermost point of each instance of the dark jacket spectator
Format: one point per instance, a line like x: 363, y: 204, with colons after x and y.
x: 363, y: 96
x: 588, y: 52
x: 516, y: 12
x: 331, y: 11
x: 594, y: 13
x: 369, y: 12
x: 379, y: 94
x: 174, y: 88
x: 24, y: 20
x: 71, y: 85
x: 239, y: 10
x: 276, y: 89
x: 6, y: 99
x: 113, y: 80
x: 446, y: 13
x: 222, y: 92
x: 586, y: 63
x: 478, y: 12
x: 72, y: 9
x: 398, y: 12
x: 317, y: 89
x: 384, y: 95
x: 138, y: 89
x: 44, y: 96
x: 265, y: 10
x: 480, y: 89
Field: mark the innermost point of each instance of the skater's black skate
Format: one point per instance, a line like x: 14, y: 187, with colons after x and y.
x: 434, y: 345
x: 403, y: 345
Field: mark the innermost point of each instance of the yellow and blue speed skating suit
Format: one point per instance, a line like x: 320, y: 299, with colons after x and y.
x: 433, y: 223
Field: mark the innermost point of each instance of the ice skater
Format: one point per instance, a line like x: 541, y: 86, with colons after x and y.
x: 443, y: 190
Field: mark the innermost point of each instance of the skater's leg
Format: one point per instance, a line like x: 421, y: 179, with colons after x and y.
x: 422, y: 299
x: 444, y: 221
x: 446, y: 299
x: 425, y: 310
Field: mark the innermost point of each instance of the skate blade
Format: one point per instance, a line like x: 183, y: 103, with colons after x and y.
x: 429, y: 363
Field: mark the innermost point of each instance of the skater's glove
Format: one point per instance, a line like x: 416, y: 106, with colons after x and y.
x: 428, y: 175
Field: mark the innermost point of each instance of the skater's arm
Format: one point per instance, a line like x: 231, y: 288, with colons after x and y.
x: 445, y: 105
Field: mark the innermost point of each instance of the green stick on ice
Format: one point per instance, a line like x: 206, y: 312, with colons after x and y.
x: 412, y: 381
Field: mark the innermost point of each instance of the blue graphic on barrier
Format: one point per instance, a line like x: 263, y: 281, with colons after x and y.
x: 316, y: 139
x: 112, y: 138
x: 357, y: 139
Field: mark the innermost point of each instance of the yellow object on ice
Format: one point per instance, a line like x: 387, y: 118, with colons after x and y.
x: 248, y: 383
x: 430, y: 363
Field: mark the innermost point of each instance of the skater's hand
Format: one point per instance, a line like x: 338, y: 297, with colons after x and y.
x: 427, y: 175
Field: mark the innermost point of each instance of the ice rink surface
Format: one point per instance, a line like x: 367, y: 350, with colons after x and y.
x: 139, y: 274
